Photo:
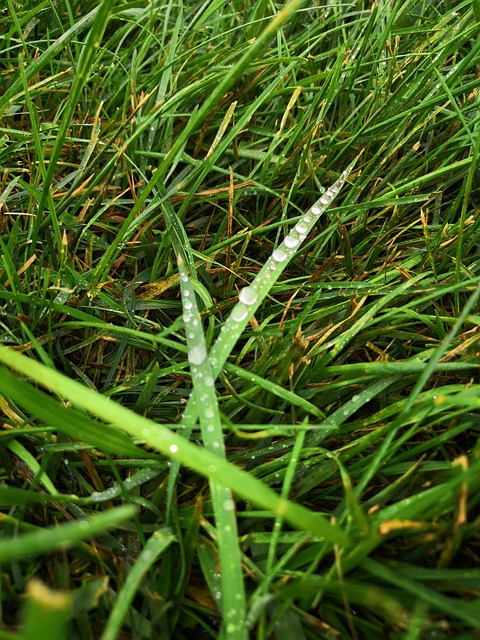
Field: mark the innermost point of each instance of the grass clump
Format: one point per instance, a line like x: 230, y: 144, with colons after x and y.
x: 239, y: 286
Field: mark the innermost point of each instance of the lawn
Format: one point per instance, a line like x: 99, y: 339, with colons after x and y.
x: 239, y: 329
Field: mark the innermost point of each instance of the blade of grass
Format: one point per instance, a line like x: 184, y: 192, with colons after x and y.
x: 157, y: 436
x: 63, y: 536
x: 46, y: 613
x: 251, y: 297
x: 155, y: 546
x: 233, y: 593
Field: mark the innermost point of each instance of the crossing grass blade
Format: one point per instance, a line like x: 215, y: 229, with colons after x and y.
x: 62, y: 536
x: 153, y: 549
x: 230, y: 556
x: 159, y: 437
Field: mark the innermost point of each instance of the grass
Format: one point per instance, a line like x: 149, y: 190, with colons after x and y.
x: 239, y: 284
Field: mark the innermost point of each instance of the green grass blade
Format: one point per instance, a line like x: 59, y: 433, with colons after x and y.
x: 63, y: 536
x: 161, y: 438
x: 233, y: 592
x: 155, y: 546
x: 46, y: 613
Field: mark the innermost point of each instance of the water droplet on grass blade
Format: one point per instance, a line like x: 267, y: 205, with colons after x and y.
x: 197, y: 354
x: 239, y: 312
x: 173, y: 448
x: 316, y: 210
x: 292, y: 241
x: 279, y: 255
x: 248, y: 295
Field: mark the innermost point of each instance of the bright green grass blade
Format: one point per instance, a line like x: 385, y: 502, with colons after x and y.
x: 156, y: 545
x: 77, y: 426
x: 476, y: 10
x: 63, y: 536
x: 39, y: 474
x: 251, y: 297
x: 158, y: 436
x: 46, y: 613
x: 233, y: 593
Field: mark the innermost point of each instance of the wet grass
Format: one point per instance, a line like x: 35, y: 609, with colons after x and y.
x: 239, y: 283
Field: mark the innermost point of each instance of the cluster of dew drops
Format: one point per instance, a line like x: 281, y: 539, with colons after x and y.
x: 248, y: 296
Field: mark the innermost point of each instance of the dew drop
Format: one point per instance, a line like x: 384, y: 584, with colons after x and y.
x: 248, y: 295
x: 173, y: 448
x: 228, y: 505
x: 209, y: 412
x: 197, y: 354
x: 145, y: 432
x: 279, y: 255
x: 188, y: 305
x: 212, y: 468
x: 239, y: 312
x: 316, y: 210
x: 300, y: 228
x: 324, y: 200
x: 292, y: 241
